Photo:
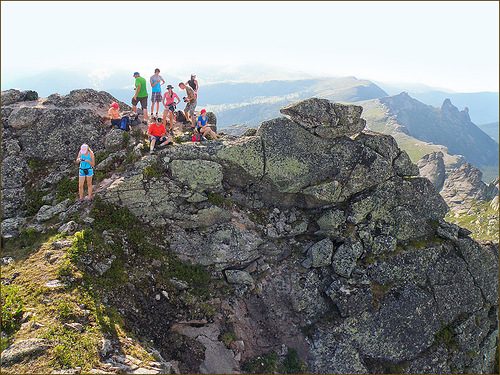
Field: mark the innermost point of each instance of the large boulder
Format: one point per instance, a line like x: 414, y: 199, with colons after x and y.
x: 325, y: 118
x: 23, y: 349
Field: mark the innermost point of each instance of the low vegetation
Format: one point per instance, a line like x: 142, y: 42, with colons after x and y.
x: 271, y: 363
x: 481, y: 219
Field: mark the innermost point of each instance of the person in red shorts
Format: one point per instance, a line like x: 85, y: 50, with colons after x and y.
x: 157, y: 134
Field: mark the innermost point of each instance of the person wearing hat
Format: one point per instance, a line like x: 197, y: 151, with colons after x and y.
x: 114, y: 114
x: 86, y: 170
x: 170, y: 104
x: 156, y: 81
x: 140, y: 95
x: 202, y: 126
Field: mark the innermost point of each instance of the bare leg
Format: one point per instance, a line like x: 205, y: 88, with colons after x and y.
x: 152, y: 144
x: 164, y: 118
x: 186, y: 114
x: 134, y: 108
x: 81, y: 181
x: 145, y: 111
x: 89, y: 186
x: 171, y: 120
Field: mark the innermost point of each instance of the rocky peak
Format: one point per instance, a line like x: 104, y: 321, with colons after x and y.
x: 310, y: 234
x: 326, y: 119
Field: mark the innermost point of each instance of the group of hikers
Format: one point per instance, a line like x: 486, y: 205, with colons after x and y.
x: 157, y: 125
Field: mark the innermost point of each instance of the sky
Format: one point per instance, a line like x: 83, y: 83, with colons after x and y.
x: 452, y: 45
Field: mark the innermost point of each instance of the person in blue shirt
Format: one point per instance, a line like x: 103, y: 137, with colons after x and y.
x: 86, y: 160
x: 202, y: 126
x: 156, y: 81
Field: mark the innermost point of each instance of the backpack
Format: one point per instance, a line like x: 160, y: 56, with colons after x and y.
x: 196, y: 137
x: 124, y: 123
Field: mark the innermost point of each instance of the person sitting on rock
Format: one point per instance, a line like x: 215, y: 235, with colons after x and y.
x: 170, y: 104
x: 114, y: 114
x: 86, y: 170
x: 157, y: 134
x: 190, y: 101
x: 202, y: 126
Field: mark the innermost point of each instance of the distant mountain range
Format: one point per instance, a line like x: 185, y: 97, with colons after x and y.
x: 422, y: 120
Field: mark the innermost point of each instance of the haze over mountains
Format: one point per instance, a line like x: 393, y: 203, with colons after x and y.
x: 424, y: 119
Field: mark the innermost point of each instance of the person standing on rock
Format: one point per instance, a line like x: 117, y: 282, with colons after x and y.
x: 170, y: 104
x: 156, y: 81
x: 86, y: 170
x: 190, y: 101
x: 140, y: 95
x: 193, y: 83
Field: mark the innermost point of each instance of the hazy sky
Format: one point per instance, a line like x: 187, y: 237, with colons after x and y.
x: 450, y: 44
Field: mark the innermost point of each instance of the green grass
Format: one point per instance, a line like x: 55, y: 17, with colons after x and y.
x: 227, y: 338
x: 270, y: 363
x: 292, y: 364
x: 153, y: 170
x: 74, y: 349
x: 66, y: 188
x: 12, y: 308
x: 25, y: 243
x: 262, y: 364
x: 100, y: 156
x: 477, y: 220
x: 34, y: 201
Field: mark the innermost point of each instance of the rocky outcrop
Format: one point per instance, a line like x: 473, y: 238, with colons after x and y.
x: 321, y: 238
x: 432, y: 167
x: 458, y: 183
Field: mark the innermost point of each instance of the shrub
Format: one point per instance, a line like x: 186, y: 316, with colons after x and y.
x: 73, y: 348
x: 263, y: 364
x: 153, y: 170
x: 12, y: 308
x: 66, y: 188
x: 34, y: 200
x: 292, y: 363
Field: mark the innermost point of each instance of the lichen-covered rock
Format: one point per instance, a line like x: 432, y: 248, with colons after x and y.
x: 332, y: 247
x: 326, y: 119
x: 114, y: 140
x: 198, y: 174
x: 345, y: 258
x: 23, y: 349
x: 238, y: 277
x: 320, y: 254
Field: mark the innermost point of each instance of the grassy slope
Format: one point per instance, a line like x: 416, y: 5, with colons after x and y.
x: 481, y: 219
x: 53, y: 307
x: 377, y: 120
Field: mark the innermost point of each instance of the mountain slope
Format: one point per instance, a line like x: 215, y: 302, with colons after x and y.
x: 446, y: 126
x: 321, y: 251
x: 491, y: 129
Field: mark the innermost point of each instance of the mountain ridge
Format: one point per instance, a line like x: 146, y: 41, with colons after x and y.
x: 281, y: 254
